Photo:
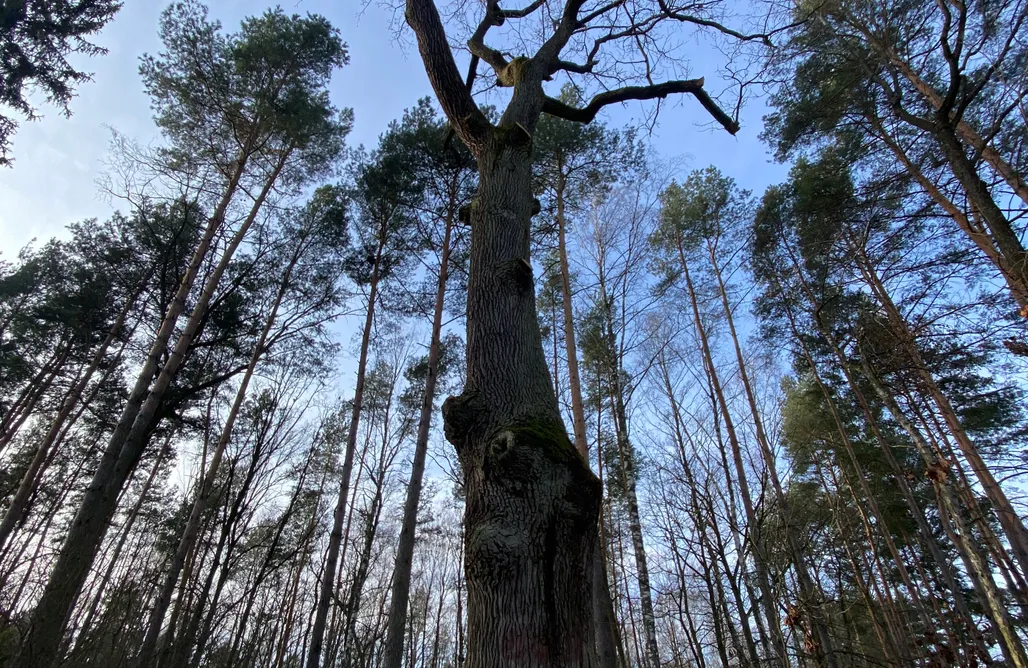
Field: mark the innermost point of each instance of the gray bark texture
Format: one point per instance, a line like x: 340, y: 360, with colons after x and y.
x: 533, y: 503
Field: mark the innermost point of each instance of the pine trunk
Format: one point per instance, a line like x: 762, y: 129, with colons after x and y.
x: 392, y: 656
x: 336, y: 537
x: 192, y: 528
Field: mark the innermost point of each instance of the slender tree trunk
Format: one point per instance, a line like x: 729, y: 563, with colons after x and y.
x: 950, y: 515
x: 798, y: 554
x: 884, y: 635
x: 74, y: 396
x: 1009, y: 519
x: 191, y: 530
x: 607, y: 636
x: 194, y: 642
x: 336, y: 537
x: 626, y: 459
x: 24, y: 406
x: 392, y: 655
x: 41, y: 646
x: 125, y: 532
x: 760, y: 561
x: 858, y: 471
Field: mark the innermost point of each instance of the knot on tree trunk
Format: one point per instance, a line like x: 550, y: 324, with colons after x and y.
x: 463, y: 415
x: 530, y: 523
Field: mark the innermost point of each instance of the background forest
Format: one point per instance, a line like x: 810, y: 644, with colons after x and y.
x: 220, y: 441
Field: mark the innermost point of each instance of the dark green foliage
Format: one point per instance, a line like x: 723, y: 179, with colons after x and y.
x: 255, y: 95
x: 36, y: 39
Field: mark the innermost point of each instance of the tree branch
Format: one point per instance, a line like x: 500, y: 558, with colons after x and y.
x: 574, y: 68
x: 692, y: 86
x: 598, y: 13
x: 494, y: 16
x: 468, y: 120
x: 521, y: 13
x: 763, y: 37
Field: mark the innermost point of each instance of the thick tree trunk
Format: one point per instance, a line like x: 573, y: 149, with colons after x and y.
x: 532, y: 502
x: 1005, y: 238
x: 979, y: 236
x: 392, y: 655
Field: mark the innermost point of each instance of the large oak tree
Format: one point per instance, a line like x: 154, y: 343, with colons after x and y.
x: 532, y: 501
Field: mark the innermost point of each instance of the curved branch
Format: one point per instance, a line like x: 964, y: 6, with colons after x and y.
x: 763, y: 37
x: 494, y: 16
x: 521, y: 13
x: 692, y: 86
x: 575, y: 68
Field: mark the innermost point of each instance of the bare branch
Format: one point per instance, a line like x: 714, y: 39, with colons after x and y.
x: 574, y: 68
x: 763, y: 37
x: 455, y: 99
x: 657, y: 91
x: 598, y: 13
x: 521, y: 13
x: 493, y: 17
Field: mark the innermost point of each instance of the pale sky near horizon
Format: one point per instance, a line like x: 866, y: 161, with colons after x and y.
x: 58, y: 161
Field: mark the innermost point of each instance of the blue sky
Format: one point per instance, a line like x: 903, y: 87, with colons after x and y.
x: 58, y: 160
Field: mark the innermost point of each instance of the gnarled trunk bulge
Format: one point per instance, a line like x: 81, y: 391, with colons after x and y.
x: 532, y: 501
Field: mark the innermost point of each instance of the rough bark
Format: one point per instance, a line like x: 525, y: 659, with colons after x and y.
x: 532, y: 502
